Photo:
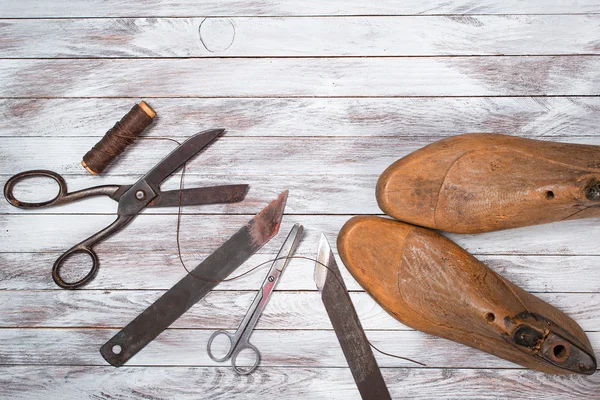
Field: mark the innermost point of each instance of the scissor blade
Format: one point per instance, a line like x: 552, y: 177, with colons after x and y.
x: 347, y: 327
x: 288, y: 247
x: 194, y: 286
x: 180, y: 156
x: 201, y: 196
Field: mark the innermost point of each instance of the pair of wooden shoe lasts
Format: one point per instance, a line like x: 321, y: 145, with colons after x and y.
x: 469, y: 184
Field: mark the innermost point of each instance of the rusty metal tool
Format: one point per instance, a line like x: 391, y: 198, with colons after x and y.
x: 347, y: 327
x: 195, y: 285
x: 132, y: 199
x: 239, y: 341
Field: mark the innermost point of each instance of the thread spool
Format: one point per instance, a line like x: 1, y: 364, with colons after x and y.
x: 116, y: 140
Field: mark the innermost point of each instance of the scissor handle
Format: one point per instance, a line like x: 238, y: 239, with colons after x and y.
x: 63, y: 195
x: 232, y: 341
x: 80, y: 248
x: 87, y: 247
x: 241, y: 347
x: 10, y: 184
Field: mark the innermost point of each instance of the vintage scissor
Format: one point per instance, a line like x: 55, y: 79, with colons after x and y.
x: 131, y: 198
x: 239, y: 341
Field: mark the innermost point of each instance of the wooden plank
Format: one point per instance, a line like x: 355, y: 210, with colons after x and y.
x: 160, y: 269
x: 225, y: 309
x: 187, y: 347
x: 301, y: 77
x: 226, y: 156
x: 415, y: 117
x: 201, y: 234
x: 220, y: 383
x: 318, y: 36
x: 311, y: 194
x: 267, y: 156
x: 184, y: 8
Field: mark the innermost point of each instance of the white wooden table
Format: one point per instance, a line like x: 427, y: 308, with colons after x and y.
x: 317, y: 97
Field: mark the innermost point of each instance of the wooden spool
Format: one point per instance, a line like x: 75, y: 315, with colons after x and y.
x: 118, y: 138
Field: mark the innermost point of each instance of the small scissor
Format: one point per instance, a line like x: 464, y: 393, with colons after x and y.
x: 239, y: 340
x: 131, y: 198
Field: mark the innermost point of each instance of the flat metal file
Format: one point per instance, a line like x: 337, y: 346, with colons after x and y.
x: 190, y: 289
x: 347, y: 327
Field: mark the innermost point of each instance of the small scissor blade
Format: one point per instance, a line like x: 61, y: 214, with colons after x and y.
x: 287, y: 248
x: 201, y: 196
x: 179, y: 156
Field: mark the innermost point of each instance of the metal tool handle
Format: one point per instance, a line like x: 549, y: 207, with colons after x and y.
x: 237, y: 344
x: 63, y: 195
x: 240, y: 340
x: 232, y: 342
x: 87, y: 246
x: 243, y: 345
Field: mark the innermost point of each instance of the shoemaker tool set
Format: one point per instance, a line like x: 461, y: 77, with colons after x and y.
x: 470, y: 183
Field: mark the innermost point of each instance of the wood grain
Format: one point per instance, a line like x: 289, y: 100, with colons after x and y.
x: 160, y: 269
x: 201, y: 234
x: 301, y: 77
x: 185, y: 8
x: 25, y: 382
x: 291, y: 117
x: 324, y: 36
x: 225, y: 309
x: 187, y: 347
x: 312, y: 194
x: 483, y: 182
x: 273, y: 101
x: 433, y: 285
x: 268, y: 156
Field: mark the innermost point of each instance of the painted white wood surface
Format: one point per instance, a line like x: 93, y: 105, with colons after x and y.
x: 298, y: 348
x: 299, y: 36
x: 122, y: 271
x: 365, y: 117
x: 288, y: 156
x: 318, y: 98
x: 302, y: 77
x: 185, y: 8
x: 25, y: 382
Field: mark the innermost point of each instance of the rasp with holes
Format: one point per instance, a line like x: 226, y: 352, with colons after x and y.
x: 347, y: 327
x: 195, y: 285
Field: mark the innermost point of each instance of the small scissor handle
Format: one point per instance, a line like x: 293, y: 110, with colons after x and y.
x: 87, y: 246
x: 63, y: 195
x: 232, y: 343
x: 241, y: 347
x: 236, y: 346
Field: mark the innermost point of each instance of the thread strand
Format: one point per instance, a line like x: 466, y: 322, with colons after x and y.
x: 254, y: 268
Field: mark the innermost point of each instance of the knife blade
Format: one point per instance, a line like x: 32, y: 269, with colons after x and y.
x: 190, y: 289
x: 347, y: 327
